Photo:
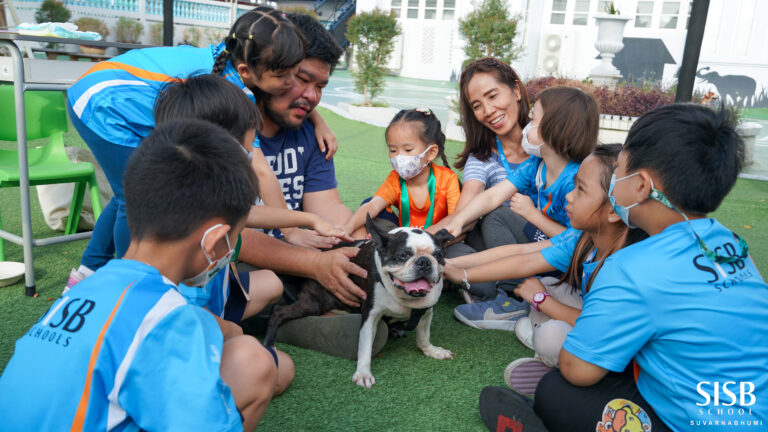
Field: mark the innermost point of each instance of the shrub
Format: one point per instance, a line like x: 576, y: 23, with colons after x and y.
x: 93, y: 25
x: 128, y: 30
x: 156, y: 34
x: 191, y: 36
x: 372, y: 35
x: 625, y: 100
x: 52, y: 11
x: 490, y: 32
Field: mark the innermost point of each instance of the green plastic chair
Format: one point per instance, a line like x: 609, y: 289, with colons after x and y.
x: 48, y: 164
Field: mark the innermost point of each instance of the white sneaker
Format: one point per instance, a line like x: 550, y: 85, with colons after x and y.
x: 524, y: 331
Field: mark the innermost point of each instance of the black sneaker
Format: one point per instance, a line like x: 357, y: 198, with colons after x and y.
x: 335, y: 335
x: 503, y: 410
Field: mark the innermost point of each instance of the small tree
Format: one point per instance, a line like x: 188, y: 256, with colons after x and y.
x: 372, y: 35
x: 52, y: 11
x: 490, y: 32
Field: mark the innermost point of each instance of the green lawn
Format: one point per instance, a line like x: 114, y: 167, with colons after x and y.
x: 412, y: 392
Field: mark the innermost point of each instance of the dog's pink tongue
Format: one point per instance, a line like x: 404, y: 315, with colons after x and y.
x: 419, y: 286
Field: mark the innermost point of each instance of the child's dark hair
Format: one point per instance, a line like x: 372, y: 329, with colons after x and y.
x: 607, y: 154
x: 693, y: 152
x: 480, y: 139
x: 208, y: 97
x: 431, y: 131
x: 183, y: 174
x: 320, y: 43
x: 571, y: 121
x: 264, y: 39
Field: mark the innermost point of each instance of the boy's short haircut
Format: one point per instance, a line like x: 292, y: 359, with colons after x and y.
x: 571, y: 121
x: 693, y: 151
x: 211, y: 98
x: 320, y: 42
x: 183, y: 174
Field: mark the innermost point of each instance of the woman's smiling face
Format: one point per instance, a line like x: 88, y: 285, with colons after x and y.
x: 494, y: 104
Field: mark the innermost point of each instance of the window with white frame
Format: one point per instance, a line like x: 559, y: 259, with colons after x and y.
x: 449, y: 8
x: 644, y: 14
x: 669, y: 12
x: 581, y: 12
x: 430, y: 9
x: 413, y: 9
x: 558, y: 12
x: 396, y: 6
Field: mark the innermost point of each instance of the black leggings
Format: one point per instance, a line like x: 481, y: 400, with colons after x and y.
x: 615, y: 399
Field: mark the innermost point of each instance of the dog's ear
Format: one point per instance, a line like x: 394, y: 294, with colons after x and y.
x: 443, y: 236
x: 378, y: 235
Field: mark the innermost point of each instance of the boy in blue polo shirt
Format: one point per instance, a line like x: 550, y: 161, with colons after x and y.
x: 130, y: 352
x: 687, y: 304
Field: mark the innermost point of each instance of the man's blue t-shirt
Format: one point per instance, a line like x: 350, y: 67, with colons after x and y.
x: 549, y: 200
x: 299, y: 165
x: 122, y: 350
x: 698, y: 331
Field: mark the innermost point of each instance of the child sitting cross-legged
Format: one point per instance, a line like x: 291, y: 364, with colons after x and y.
x: 131, y: 352
x: 673, y: 334
x: 422, y: 192
x: 555, y: 303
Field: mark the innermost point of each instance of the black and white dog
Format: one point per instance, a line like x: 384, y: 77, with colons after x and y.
x: 405, y: 274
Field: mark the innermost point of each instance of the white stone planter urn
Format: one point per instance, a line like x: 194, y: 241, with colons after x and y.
x: 610, y: 32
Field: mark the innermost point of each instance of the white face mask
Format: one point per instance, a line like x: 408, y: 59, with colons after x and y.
x: 408, y: 167
x: 214, y: 267
x: 527, y: 146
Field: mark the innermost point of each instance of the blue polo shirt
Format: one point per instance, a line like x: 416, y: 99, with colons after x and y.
x: 298, y: 164
x: 116, y: 97
x: 549, y: 200
x: 122, y: 350
x: 690, y: 325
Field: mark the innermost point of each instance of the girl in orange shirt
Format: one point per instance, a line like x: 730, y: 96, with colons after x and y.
x: 422, y: 192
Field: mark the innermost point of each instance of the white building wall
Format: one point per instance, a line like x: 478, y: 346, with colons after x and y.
x: 735, y: 39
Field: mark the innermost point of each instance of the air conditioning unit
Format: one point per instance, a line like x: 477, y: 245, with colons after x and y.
x: 555, y: 50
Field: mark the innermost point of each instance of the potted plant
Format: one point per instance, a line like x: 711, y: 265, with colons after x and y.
x: 610, y: 33
x: 128, y: 30
x: 93, y: 25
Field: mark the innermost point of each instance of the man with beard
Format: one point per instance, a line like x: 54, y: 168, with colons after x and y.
x: 309, y: 184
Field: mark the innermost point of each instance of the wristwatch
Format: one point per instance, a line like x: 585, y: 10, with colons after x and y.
x: 538, y: 299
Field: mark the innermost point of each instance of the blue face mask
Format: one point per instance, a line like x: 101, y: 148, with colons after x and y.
x: 623, y: 213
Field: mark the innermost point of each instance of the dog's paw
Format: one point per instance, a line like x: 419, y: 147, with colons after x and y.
x: 438, y: 353
x: 396, y: 333
x: 364, y: 379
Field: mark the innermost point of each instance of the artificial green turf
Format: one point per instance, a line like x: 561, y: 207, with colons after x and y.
x: 412, y: 392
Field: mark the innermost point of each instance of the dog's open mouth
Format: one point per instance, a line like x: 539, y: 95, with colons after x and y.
x: 415, y: 288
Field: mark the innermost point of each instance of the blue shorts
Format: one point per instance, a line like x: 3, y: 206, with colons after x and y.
x: 235, y: 307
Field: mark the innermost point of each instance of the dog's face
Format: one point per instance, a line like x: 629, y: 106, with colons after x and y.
x: 411, y: 260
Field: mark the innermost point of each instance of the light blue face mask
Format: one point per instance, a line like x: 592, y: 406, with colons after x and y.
x: 623, y: 213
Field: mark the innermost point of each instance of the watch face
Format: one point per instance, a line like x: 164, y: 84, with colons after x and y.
x: 538, y: 297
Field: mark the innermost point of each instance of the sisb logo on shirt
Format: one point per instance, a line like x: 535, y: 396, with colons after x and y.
x: 726, y: 275
x: 55, y: 327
